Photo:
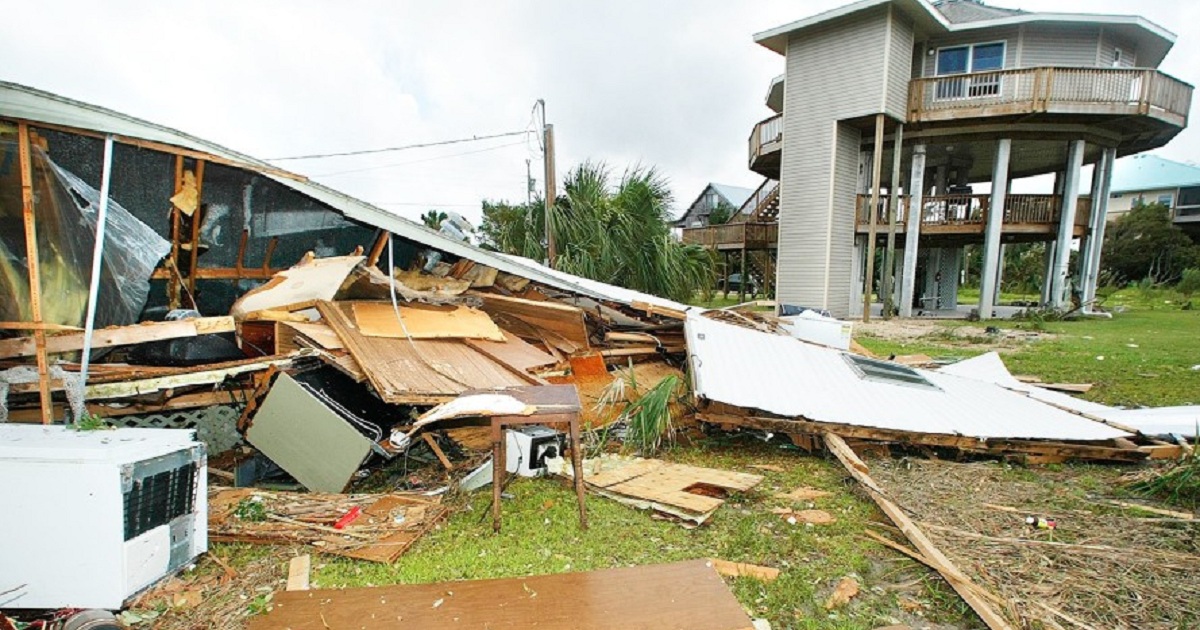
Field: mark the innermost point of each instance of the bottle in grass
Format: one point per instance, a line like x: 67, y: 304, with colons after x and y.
x: 1041, y: 522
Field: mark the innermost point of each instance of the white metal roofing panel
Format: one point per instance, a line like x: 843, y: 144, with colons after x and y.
x: 990, y: 368
x: 19, y: 101
x: 1184, y: 421
x: 788, y: 377
x: 595, y: 288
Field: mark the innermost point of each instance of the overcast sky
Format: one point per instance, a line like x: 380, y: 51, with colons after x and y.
x: 673, y: 84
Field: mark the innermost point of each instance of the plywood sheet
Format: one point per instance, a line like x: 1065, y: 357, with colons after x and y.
x: 560, y: 319
x: 311, y: 279
x: 426, y: 321
x: 419, y: 371
x: 679, y: 596
x: 688, y: 492
x: 319, y: 333
x: 514, y: 352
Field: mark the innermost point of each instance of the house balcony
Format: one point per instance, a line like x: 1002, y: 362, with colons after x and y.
x: 734, y: 236
x: 1070, y: 91
x: 766, y: 147
x: 964, y: 217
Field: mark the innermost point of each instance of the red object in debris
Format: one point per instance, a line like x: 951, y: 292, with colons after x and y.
x: 351, y: 515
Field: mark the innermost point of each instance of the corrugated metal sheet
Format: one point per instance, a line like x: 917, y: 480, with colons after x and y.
x: 19, y: 101
x: 788, y: 377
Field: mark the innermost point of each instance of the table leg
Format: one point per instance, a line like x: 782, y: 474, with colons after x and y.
x: 577, y: 464
x: 499, y: 468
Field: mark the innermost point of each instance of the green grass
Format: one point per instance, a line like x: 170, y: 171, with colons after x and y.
x: 1148, y: 350
x: 541, y: 535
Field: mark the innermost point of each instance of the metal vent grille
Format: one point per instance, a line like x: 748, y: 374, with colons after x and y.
x: 158, y: 499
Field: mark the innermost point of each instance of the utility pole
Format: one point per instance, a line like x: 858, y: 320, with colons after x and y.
x: 528, y: 184
x: 551, y: 194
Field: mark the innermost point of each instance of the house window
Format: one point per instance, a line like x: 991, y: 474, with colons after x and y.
x: 883, y: 371
x: 1165, y: 200
x: 971, y: 59
x: 1188, y: 204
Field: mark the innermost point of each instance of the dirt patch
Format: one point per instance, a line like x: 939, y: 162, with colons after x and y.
x: 957, y: 336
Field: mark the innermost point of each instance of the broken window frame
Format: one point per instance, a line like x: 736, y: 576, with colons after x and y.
x: 869, y: 369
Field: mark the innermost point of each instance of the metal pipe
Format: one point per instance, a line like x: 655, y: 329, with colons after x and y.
x: 97, y: 257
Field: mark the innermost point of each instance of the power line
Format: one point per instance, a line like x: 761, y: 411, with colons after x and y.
x: 432, y: 159
x: 402, y: 148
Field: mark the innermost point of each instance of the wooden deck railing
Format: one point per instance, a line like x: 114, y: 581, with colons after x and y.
x: 766, y: 137
x: 1127, y: 91
x: 972, y: 210
x: 733, y: 236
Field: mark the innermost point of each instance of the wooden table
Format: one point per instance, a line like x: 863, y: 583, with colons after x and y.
x: 553, y: 404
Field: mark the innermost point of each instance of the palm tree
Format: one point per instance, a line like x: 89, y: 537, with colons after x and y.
x: 617, y: 234
x: 433, y: 218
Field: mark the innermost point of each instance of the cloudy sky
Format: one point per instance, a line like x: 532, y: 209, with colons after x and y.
x: 673, y: 84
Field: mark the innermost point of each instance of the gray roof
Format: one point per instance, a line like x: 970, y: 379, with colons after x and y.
x: 1150, y: 172
x: 735, y: 195
x: 962, y: 11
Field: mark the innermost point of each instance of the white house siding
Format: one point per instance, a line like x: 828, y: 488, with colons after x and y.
x: 1057, y: 45
x: 1109, y: 43
x: 834, y: 72
x: 1120, y: 203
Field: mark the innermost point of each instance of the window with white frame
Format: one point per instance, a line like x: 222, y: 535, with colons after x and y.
x: 967, y: 69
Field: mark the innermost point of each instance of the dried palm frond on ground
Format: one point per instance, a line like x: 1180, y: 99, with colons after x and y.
x: 1102, y: 566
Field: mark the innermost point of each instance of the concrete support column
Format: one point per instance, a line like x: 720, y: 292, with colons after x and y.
x: 1047, y: 271
x: 1059, y: 286
x: 1099, y: 220
x: 1000, y: 274
x: 912, y: 230
x: 995, y: 222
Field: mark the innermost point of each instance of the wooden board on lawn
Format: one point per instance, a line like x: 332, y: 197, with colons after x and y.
x: 683, y: 595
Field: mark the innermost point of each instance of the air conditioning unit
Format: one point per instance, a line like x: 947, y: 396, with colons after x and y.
x: 92, y: 518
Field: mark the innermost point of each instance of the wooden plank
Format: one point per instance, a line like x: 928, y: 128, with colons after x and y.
x: 741, y: 569
x: 184, y: 401
x: 197, y: 217
x: 561, y: 319
x: 298, y: 571
x: 33, y: 264
x: 124, y: 389
x: 969, y: 444
x: 514, y: 352
x: 424, y: 321
x: 418, y: 371
x: 679, y: 595
x: 437, y: 450
x: 173, y: 276
x: 958, y: 580
x: 119, y: 336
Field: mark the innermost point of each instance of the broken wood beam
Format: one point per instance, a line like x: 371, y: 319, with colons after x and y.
x: 437, y: 450
x: 151, y: 385
x: 997, y: 447
x: 968, y: 590
x: 37, y: 345
x: 120, y: 336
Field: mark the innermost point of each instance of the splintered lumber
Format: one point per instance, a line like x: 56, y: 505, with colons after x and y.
x: 184, y: 379
x: 310, y: 279
x: 968, y: 590
x: 998, y: 447
x: 689, y: 493
x: 425, y: 321
x: 679, y: 595
x: 119, y: 336
x: 741, y: 569
x: 560, y: 319
x: 388, y: 525
x: 653, y: 309
x: 417, y: 371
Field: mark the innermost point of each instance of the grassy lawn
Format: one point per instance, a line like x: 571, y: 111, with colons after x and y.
x: 1147, y: 351
x: 1142, y: 356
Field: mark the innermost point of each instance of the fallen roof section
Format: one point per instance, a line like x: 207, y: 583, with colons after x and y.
x: 37, y: 106
x: 790, y: 378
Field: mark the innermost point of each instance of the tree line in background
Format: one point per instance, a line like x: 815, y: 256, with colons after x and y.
x: 615, y: 230
x: 1141, y: 247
